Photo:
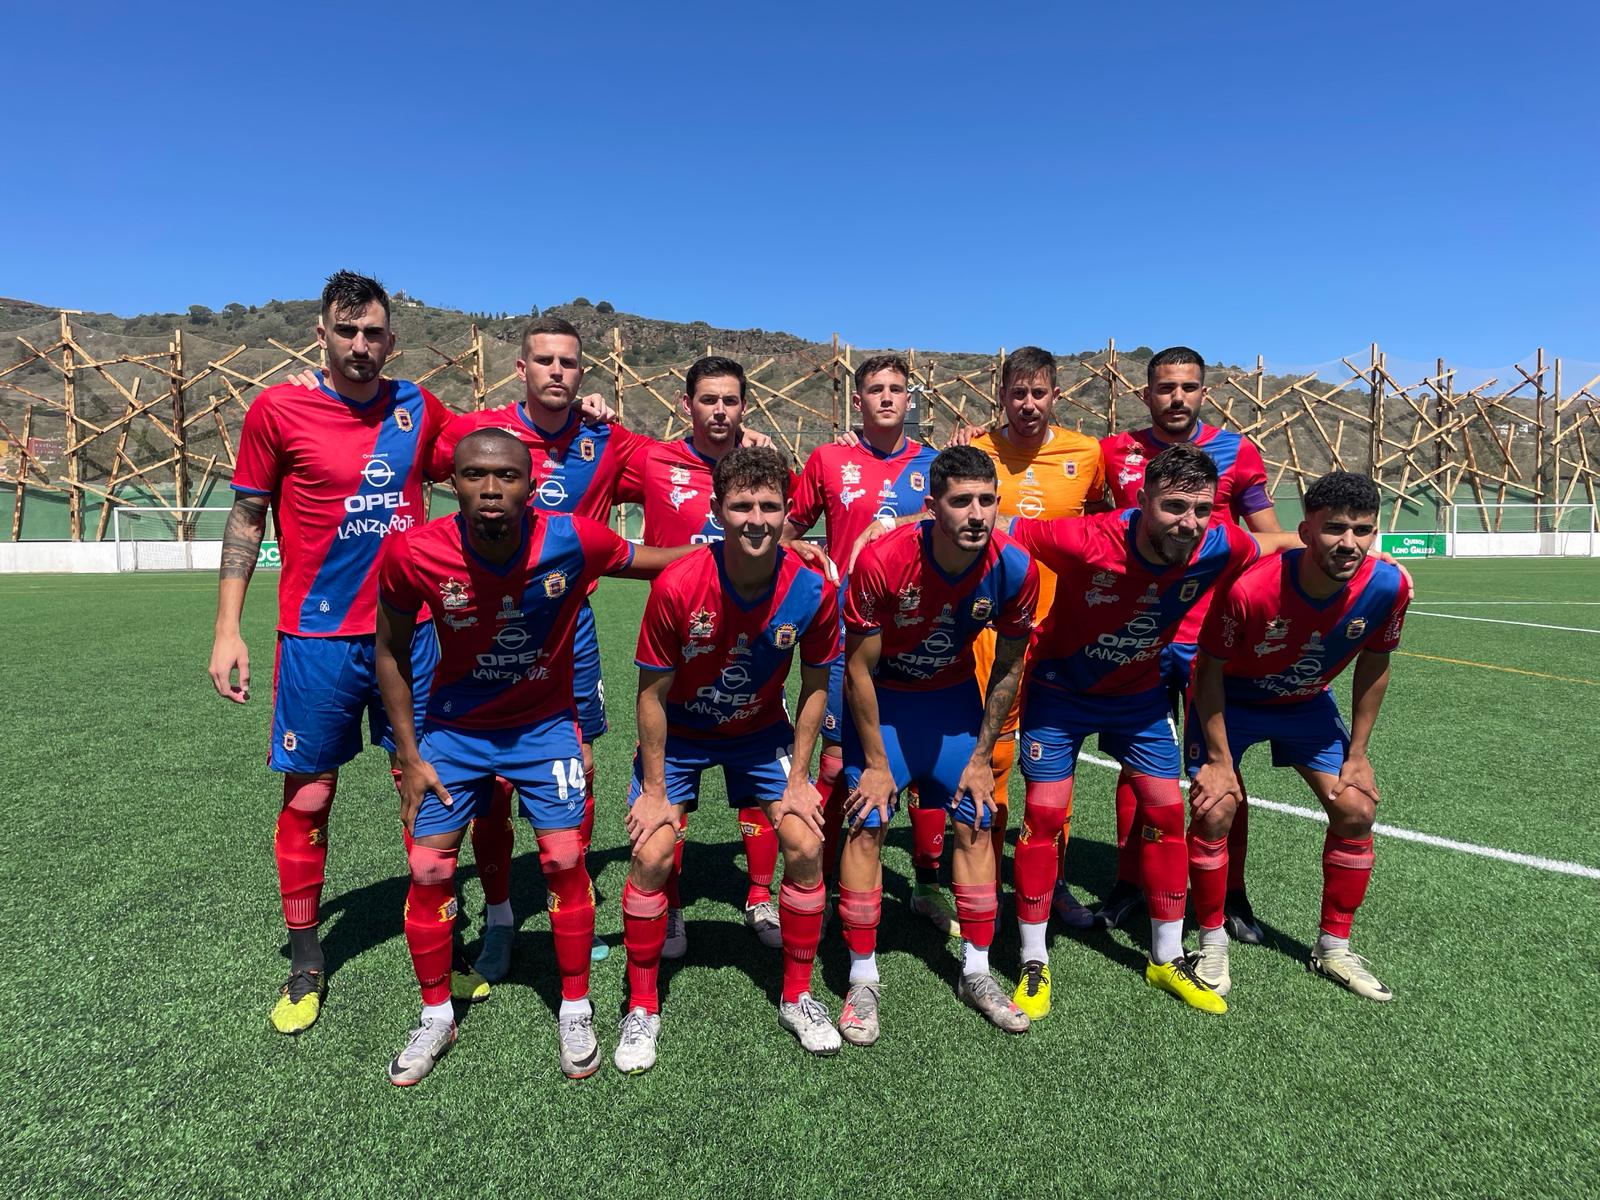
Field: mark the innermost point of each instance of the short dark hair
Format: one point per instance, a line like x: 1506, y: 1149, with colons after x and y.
x: 959, y: 462
x: 1026, y: 362
x: 1182, y: 468
x: 881, y: 362
x: 491, y: 435
x: 1175, y: 356
x: 1345, y: 491
x: 550, y: 324
x: 712, y: 366
x: 347, y: 292
x: 746, y: 468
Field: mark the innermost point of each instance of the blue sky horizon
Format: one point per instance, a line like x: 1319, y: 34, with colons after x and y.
x: 1249, y: 179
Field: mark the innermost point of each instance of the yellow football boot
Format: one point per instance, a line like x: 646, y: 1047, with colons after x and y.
x: 1033, y: 991
x: 300, y: 1002
x: 466, y: 985
x: 1178, y: 978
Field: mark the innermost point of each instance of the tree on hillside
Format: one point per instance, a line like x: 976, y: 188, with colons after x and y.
x: 582, y: 302
x: 605, y: 306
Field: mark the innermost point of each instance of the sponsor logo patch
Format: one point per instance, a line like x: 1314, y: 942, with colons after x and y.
x: 453, y: 594
x: 910, y: 598
x: 702, y: 623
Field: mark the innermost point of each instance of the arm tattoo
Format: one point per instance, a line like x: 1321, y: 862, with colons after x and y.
x: 1004, y: 680
x: 241, y: 537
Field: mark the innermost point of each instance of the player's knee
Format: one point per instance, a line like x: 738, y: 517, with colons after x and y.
x: 560, y: 850
x: 431, y: 867
x: 1351, y: 814
x: 310, y: 794
x: 1216, y: 822
x: 652, y: 859
x: 802, y: 848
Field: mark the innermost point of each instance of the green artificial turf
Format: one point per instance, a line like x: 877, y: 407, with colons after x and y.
x: 146, y: 947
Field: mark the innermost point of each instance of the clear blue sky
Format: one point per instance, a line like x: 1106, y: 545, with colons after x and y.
x: 1292, y: 179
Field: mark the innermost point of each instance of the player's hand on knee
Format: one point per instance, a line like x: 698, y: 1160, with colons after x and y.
x: 227, y: 656
x: 649, y: 813
x: 1214, y: 792
x: 874, y: 794
x: 1356, y: 773
x: 977, y: 782
x: 802, y: 801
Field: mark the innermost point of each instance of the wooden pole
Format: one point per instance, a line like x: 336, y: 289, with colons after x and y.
x: 1554, y: 490
x: 180, y: 470
x: 74, y: 457
x: 1111, y: 384
x: 833, y: 375
x: 479, y: 390
x: 22, y: 474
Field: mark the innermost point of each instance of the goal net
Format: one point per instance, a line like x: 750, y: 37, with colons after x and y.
x: 168, y: 539
x: 1523, y: 530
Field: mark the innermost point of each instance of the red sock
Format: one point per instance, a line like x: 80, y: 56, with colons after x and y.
x: 760, y: 854
x: 671, y: 886
x: 1046, y: 816
x: 300, y: 844
x: 859, y: 914
x: 587, y: 826
x: 1127, y: 845
x: 1346, y: 871
x: 976, y: 906
x: 800, y: 918
x: 644, y: 932
x: 1163, y: 851
x: 571, y: 907
x: 1208, y: 876
x: 431, y: 919
x: 1238, y: 842
x: 493, y: 838
x: 830, y: 782
x: 927, y: 834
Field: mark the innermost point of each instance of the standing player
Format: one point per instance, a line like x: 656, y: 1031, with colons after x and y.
x: 1045, y: 471
x: 673, y: 481
x: 881, y: 477
x: 1273, y: 642
x: 1174, y: 391
x: 1095, y: 670
x: 341, y: 465
x: 508, y: 583
x: 917, y: 599
x: 719, y: 632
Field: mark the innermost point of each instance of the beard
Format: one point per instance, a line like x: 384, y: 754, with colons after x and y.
x: 491, y: 529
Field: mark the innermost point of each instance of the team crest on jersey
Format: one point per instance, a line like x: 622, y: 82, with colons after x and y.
x: 555, y: 585
x: 402, y: 418
x: 981, y: 608
x: 290, y: 742
x: 679, y: 475
x: 453, y: 594
x: 509, y: 611
x: 849, y: 473
x: 1071, y: 469
x: 918, y: 483
x: 1190, y: 589
x: 1356, y: 628
x: 783, y: 637
x: 702, y: 623
x: 586, y: 450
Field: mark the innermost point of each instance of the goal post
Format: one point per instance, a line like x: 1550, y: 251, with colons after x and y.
x: 153, y: 538
x: 1523, y: 530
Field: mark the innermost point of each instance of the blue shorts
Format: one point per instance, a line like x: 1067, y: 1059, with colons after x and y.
x: 833, y: 719
x: 1135, y: 730
x: 321, y: 688
x: 929, y: 737
x: 587, y: 689
x: 1177, y: 660
x: 1307, y: 733
x: 755, y: 767
x: 543, y: 761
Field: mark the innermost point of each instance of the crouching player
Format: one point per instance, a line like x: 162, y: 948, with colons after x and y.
x: 720, y: 629
x: 1271, y: 645
x: 506, y: 583
x: 918, y: 598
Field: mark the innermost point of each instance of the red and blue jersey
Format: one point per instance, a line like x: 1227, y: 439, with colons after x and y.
x: 577, y: 469
x: 673, y: 482
x: 855, y: 485
x: 1281, y: 645
x: 1115, y: 609
x: 505, y: 632
x: 342, y: 476
x: 927, y: 619
x: 1241, y: 473
x: 730, y: 657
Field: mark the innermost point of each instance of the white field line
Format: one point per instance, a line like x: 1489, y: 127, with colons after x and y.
x: 1498, y: 621
x: 1520, y: 603
x: 1554, y: 865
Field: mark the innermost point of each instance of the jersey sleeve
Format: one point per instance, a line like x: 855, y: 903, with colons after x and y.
x: 631, y: 482
x: 398, y: 587
x: 1097, y: 480
x: 1015, y: 619
x: 1250, y: 493
x: 259, y: 464
x: 1045, y: 541
x: 627, y: 445
x: 660, y: 647
x: 1223, y: 623
x: 861, y: 602
x: 1243, y: 549
x: 436, y: 418
x: 442, y: 457
x: 807, y: 496
x: 819, y: 645
x: 604, y: 552
x: 1388, y: 635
